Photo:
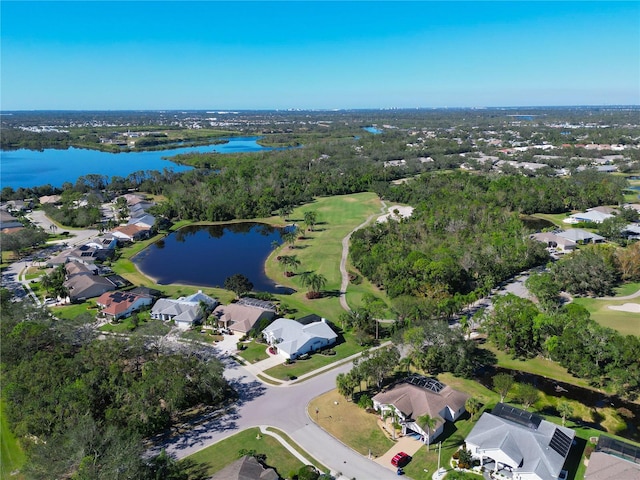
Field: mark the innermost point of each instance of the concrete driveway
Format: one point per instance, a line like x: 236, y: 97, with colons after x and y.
x: 404, y: 444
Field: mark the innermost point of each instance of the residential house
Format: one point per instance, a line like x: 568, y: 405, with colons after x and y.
x: 292, y: 339
x: 593, y: 216
x: 246, y: 468
x: 82, y: 283
x: 50, y: 199
x: 108, y: 242
x: 146, y: 221
x: 8, y: 222
x: 613, y: 460
x: 632, y: 231
x: 116, y: 305
x: 580, y: 236
x: 555, y: 241
x: 520, y: 444
x: 184, y: 311
x: 241, y: 318
x: 87, y: 254
x: 416, y: 396
x: 131, y: 233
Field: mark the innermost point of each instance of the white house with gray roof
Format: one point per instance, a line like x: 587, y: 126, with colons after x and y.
x: 519, y: 444
x: 184, y: 311
x: 292, y: 338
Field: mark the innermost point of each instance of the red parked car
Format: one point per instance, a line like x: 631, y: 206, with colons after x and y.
x: 400, y: 459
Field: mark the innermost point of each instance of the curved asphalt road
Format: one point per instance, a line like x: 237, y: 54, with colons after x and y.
x: 284, y: 408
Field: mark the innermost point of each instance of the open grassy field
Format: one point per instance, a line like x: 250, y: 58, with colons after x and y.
x: 321, y: 251
x: 537, y: 366
x: 627, y: 323
x: 11, y: 455
x: 223, y: 453
x: 555, y: 218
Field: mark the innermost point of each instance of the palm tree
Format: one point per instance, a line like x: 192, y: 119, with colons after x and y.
x: 565, y: 410
x: 391, y: 413
x: 315, y: 282
x: 289, y: 261
x: 427, y: 423
x: 290, y: 237
x: 473, y: 406
x: 310, y: 218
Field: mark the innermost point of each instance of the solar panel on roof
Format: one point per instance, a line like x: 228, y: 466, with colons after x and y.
x: 516, y: 415
x: 560, y: 442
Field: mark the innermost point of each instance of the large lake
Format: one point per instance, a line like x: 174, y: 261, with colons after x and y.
x: 206, y: 255
x: 31, y: 168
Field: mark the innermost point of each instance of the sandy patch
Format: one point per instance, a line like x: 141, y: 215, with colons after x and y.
x: 395, y: 212
x: 627, y: 307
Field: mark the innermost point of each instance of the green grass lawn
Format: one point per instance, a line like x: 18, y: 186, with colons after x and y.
x: 627, y: 323
x: 223, y: 453
x: 555, y: 218
x: 627, y: 289
x: 254, y: 352
x: 538, y: 366
x: 12, y: 457
x: 321, y: 251
x: 317, y: 360
x: 70, y: 312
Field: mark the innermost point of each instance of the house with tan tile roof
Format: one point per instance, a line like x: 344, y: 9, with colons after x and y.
x: 241, y: 318
x: 416, y: 396
x: 131, y: 233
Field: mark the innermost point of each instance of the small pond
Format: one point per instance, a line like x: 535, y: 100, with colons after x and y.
x: 205, y: 255
x: 535, y: 224
x: 373, y: 130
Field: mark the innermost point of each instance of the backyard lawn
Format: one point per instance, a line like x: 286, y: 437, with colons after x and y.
x: 223, y: 453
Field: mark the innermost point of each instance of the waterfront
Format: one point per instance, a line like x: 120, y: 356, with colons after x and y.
x: 31, y: 168
x: 205, y: 255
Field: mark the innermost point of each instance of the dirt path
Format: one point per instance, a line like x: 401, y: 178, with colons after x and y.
x: 345, y: 255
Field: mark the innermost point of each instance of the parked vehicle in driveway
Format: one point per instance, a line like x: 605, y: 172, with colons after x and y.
x: 400, y: 459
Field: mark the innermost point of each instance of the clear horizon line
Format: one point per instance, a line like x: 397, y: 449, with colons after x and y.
x: 327, y: 109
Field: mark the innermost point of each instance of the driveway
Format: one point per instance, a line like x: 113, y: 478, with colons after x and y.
x: 404, y: 444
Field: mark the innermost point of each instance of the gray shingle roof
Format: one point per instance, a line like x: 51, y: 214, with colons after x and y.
x: 527, y: 449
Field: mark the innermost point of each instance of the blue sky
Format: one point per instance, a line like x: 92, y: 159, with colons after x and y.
x: 317, y: 55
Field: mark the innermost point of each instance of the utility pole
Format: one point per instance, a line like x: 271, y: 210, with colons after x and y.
x: 439, y: 451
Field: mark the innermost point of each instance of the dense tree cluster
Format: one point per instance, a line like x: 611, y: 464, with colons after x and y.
x: 24, y: 238
x: 370, y: 368
x: 569, y: 336
x: 457, y: 240
x: 94, y: 399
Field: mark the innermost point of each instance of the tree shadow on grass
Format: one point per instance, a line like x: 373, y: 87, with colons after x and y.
x: 331, y: 293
